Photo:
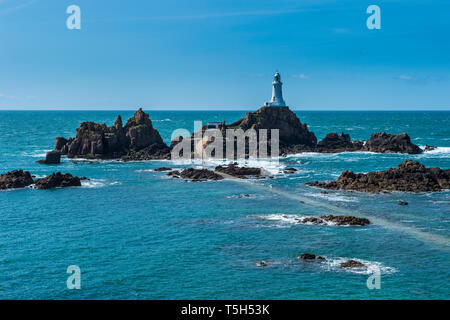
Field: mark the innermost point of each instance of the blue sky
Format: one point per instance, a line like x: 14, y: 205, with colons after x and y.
x: 222, y: 54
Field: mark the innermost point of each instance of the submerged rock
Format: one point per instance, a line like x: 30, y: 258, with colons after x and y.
x: 352, y: 264
x: 58, y: 180
x: 402, y: 203
x: 15, y: 179
x: 307, y: 256
x: 391, y: 143
x: 429, y: 148
x: 409, y: 176
x: 162, y: 169
x: 312, y: 220
x: 261, y: 263
x: 52, y: 157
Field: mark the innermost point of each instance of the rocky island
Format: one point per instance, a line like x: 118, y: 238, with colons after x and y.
x: 17, y: 179
x: 137, y: 140
x: 409, y: 176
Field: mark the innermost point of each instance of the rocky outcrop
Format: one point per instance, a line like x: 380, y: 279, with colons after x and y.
x: 292, y: 133
x: 52, y: 157
x: 429, y: 148
x: 346, y: 220
x: 15, y: 179
x: 307, y: 256
x: 197, y: 175
x: 311, y: 257
x: 58, y: 180
x: 162, y: 169
x: 337, y: 220
x: 239, y: 172
x: 391, y: 143
x: 137, y: 140
x: 409, y: 176
x: 338, y: 143
x: 352, y: 264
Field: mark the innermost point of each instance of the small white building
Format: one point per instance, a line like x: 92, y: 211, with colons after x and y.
x: 277, y: 93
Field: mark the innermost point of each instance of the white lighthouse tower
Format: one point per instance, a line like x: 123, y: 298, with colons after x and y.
x: 277, y: 93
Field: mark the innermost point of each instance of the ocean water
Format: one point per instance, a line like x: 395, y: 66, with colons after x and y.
x: 137, y: 234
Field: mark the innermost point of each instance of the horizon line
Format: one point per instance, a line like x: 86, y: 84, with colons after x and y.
x: 210, y: 110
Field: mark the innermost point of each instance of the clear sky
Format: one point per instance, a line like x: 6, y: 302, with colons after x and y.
x: 222, y: 54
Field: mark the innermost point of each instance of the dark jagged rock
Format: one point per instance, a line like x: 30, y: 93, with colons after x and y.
x: 307, y: 256
x: 290, y: 170
x: 338, y: 143
x: 346, y: 220
x: 239, y: 172
x: 321, y: 258
x: 58, y: 180
x: 137, y: 140
x: 15, y: 179
x: 162, y: 169
x: 391, y: 143
x: 197, y: 175
x: 312, y: 220
x: 352, y: 264
x: 338, y: 220
x: 402, y: 203
x: 52, y: 157
x: 429, y: 148
x: 409, y: 176
x: 60, y: 142
x: 292, y: 131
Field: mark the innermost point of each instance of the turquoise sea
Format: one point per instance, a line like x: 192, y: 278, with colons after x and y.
x: 137, y: 234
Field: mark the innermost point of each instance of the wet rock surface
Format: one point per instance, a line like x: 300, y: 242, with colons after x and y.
x: 15, y: 179
x: 338, y: 220
x: 409, y: 176
x: 197, y: 175
x: 163, y: 169
x: 58, y: 180
x: 307, y: 256
x: 352, y: 264
x: 346, y: 220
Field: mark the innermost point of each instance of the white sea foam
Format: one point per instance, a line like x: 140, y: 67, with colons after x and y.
x: 444, y: 151
x: 36, y: 153
x: 98, y: 183
x: 162, y: 120
x: 331, y: 197
x: 287, y: 220
x: 333, y: 264
x: 272, y: 167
